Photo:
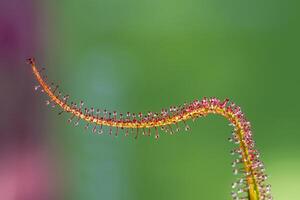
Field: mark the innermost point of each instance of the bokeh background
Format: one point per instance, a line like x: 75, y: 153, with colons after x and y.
x: 130, y: 55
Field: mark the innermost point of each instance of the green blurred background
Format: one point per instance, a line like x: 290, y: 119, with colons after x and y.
x: 128, y: 55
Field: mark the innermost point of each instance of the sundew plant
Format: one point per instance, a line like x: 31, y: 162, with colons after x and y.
x: 251, y: 182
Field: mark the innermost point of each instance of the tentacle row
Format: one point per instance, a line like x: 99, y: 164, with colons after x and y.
x: 247, y: 165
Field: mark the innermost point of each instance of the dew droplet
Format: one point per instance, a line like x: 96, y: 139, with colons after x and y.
x: 234, y: 185
x: 235, y: 171
x: 36, y: 87
x: 187, y: 127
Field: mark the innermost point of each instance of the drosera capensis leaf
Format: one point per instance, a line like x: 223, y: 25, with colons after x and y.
x: 247, y: 166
